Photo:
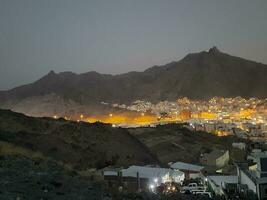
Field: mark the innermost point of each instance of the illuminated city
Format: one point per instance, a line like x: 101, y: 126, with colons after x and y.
x: 221, y: 116
x: 133, y: 100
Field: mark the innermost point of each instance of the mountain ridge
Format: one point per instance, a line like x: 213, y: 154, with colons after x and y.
x: 199, y: 75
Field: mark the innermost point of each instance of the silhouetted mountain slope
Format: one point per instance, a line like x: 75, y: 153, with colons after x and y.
x: 25, y: 178
x: 198, y: 75
x: 80, y: 145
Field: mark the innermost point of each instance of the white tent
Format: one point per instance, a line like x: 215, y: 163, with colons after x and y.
x: 154, y: 174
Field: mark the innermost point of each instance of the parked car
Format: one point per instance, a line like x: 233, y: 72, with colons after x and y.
x: 193, y: 186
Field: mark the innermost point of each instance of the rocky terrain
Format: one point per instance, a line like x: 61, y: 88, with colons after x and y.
x: 197, y: 76
x: 26, y: 179
x: 173, y: 143
x: 78, y: 146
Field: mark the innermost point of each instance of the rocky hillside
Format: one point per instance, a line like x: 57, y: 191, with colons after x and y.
x: 173, y: 143
x: 44, y: 158
x: 78, y: 146
x: 199, y: 75
x: 24, y: 178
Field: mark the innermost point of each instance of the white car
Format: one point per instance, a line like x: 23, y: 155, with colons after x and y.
x: 193, y: 186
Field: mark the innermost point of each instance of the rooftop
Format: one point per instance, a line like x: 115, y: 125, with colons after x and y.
x: 186, y: 166
x: 148, y: 172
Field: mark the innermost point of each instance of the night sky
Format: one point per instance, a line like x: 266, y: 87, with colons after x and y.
x: 117, y: 36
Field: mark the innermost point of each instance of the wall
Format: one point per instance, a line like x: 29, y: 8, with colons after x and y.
x: 223, y: 160
x: 244, y: 179
x: 194, y: 175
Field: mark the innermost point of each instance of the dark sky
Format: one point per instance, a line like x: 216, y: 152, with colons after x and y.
x: 116, y: 36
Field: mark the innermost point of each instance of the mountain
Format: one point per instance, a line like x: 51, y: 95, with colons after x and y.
x: 198, y: 75
x: 78, y: 146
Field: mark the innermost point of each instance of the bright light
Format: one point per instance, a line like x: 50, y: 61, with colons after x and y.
x: 110, y: 115
x: 173, y: 188
x: 81, y: 116
x: 113, y: 125
x: 55, y: 117
x: 155, y: 180
x: 151, y: 186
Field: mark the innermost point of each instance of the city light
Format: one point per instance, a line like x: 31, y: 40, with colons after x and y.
x: 218, y: 116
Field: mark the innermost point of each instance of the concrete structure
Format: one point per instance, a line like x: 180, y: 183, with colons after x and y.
x: 256, y: 180
x: 239, y: 145
x: 218, y: 183
x: 144, y: 178
x: 255, y: 154
x: 191, y: 171
x: 217, y: 158
x: 151, y: 173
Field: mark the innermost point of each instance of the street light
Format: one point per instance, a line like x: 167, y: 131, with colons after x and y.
x: 151, y: 186
x: 155, y: 180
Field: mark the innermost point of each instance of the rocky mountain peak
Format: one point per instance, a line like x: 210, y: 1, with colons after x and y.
x: 214, y: 50
x: 51, y: 73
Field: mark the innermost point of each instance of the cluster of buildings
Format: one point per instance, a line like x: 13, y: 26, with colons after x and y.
x: 142, y: 178
x: 222, y: 116
x: 148, y: 178
x: 244, y: 130
x: 248, y: 182
x: 246, y: 179
x: 227, y: 109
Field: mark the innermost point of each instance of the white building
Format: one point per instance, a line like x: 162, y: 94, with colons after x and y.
x: 216, y: 158
x: 191, y: 171
x: 162, y: 175
x: 218, y: 183
x: 144, y: 178
x: 256, y: 180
